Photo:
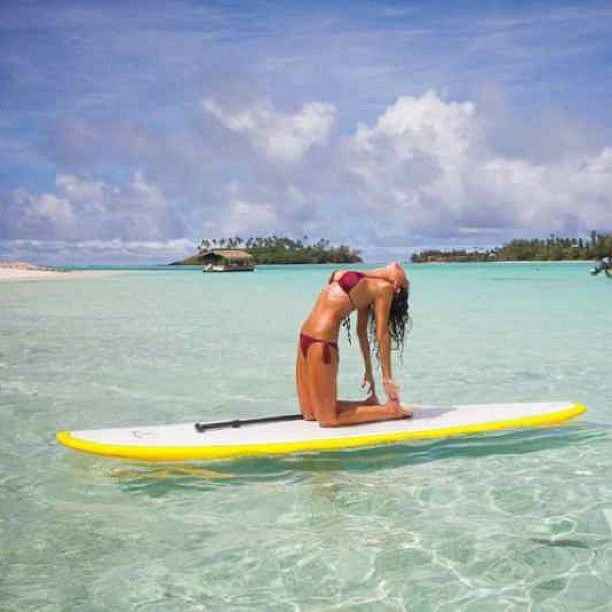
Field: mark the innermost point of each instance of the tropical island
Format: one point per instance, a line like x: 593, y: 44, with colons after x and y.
x: 552, y: 248
x: 276, y: 250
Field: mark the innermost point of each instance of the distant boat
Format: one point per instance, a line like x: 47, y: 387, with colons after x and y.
x: 227, y: 260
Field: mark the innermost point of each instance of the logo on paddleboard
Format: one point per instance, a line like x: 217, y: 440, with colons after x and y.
x: 142, y: 433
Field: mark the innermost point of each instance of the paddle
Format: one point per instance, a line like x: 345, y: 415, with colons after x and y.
x: 202, y: 427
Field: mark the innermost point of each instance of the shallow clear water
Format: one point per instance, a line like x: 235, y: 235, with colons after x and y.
x: 505, y: 521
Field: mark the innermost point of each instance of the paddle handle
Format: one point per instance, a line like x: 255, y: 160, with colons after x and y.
x: 202, y: 427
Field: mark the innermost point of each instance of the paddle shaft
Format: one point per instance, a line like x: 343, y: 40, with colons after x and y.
x: 202, y: 427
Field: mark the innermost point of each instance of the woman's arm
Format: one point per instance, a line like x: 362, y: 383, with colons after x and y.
x: 364, y: 345
x: 382, y: 307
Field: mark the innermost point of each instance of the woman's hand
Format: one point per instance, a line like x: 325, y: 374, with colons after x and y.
x: 391, y: 389
x: 368, y: 383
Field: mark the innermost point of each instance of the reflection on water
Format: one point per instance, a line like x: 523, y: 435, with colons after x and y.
x: 145, y: 477
x: 564, y: 542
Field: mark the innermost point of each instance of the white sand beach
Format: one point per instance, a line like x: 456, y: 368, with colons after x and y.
x: 20, y: 270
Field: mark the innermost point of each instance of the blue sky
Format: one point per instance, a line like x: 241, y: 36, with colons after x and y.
x: 129, y: 130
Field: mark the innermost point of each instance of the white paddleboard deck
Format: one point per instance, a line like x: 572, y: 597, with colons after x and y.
x: 184, y: 443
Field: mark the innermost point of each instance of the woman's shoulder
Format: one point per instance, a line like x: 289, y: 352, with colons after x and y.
x: 379, y: 278
x: 381, y: 292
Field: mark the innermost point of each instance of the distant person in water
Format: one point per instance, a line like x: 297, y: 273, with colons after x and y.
x: 604, y: 265
x: 380, y: 298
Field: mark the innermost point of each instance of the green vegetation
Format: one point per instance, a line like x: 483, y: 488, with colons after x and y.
x: 551, y: 249
x: 280, y: 250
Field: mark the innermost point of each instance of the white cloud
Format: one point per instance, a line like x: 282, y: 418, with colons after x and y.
x: 94, y: 251
x: 82, y: 208
x: 427, y: 165
x: 242, y: 216
x: 281, y: 137
x: 49, y: 208
x: 80, y: 189
x: 424, y: 169
x: 422, y: 125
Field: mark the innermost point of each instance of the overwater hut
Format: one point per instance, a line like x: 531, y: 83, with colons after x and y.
x: 227, y: 260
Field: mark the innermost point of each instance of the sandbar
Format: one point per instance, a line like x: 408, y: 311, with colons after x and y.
x: 23, y: 271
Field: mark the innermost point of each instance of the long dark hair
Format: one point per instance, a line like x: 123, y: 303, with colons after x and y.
x: 400, y: 324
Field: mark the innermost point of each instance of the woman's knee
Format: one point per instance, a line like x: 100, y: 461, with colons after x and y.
x: 327, y: 422
x: 325, y: 411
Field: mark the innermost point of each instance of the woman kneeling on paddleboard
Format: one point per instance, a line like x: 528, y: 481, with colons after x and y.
x: 381, y: 297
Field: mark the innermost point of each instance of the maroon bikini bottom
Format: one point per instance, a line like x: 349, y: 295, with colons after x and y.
x: 306, y: 341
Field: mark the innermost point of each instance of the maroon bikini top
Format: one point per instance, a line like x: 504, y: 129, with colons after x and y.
x: 351, y: 278
x: 348, y: 280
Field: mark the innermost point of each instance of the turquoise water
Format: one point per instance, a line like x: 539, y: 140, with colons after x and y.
x: 512, y: 521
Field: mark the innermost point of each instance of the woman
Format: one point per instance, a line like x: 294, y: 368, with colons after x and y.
x: 380, y: 296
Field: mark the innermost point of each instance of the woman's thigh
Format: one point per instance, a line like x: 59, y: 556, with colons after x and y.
x: 321, y: 382
x: 301, y: 382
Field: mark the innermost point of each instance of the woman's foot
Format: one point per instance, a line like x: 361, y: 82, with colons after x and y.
x: 402, y: 412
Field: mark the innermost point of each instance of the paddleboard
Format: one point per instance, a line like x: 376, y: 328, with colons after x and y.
x: 184, y: 442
